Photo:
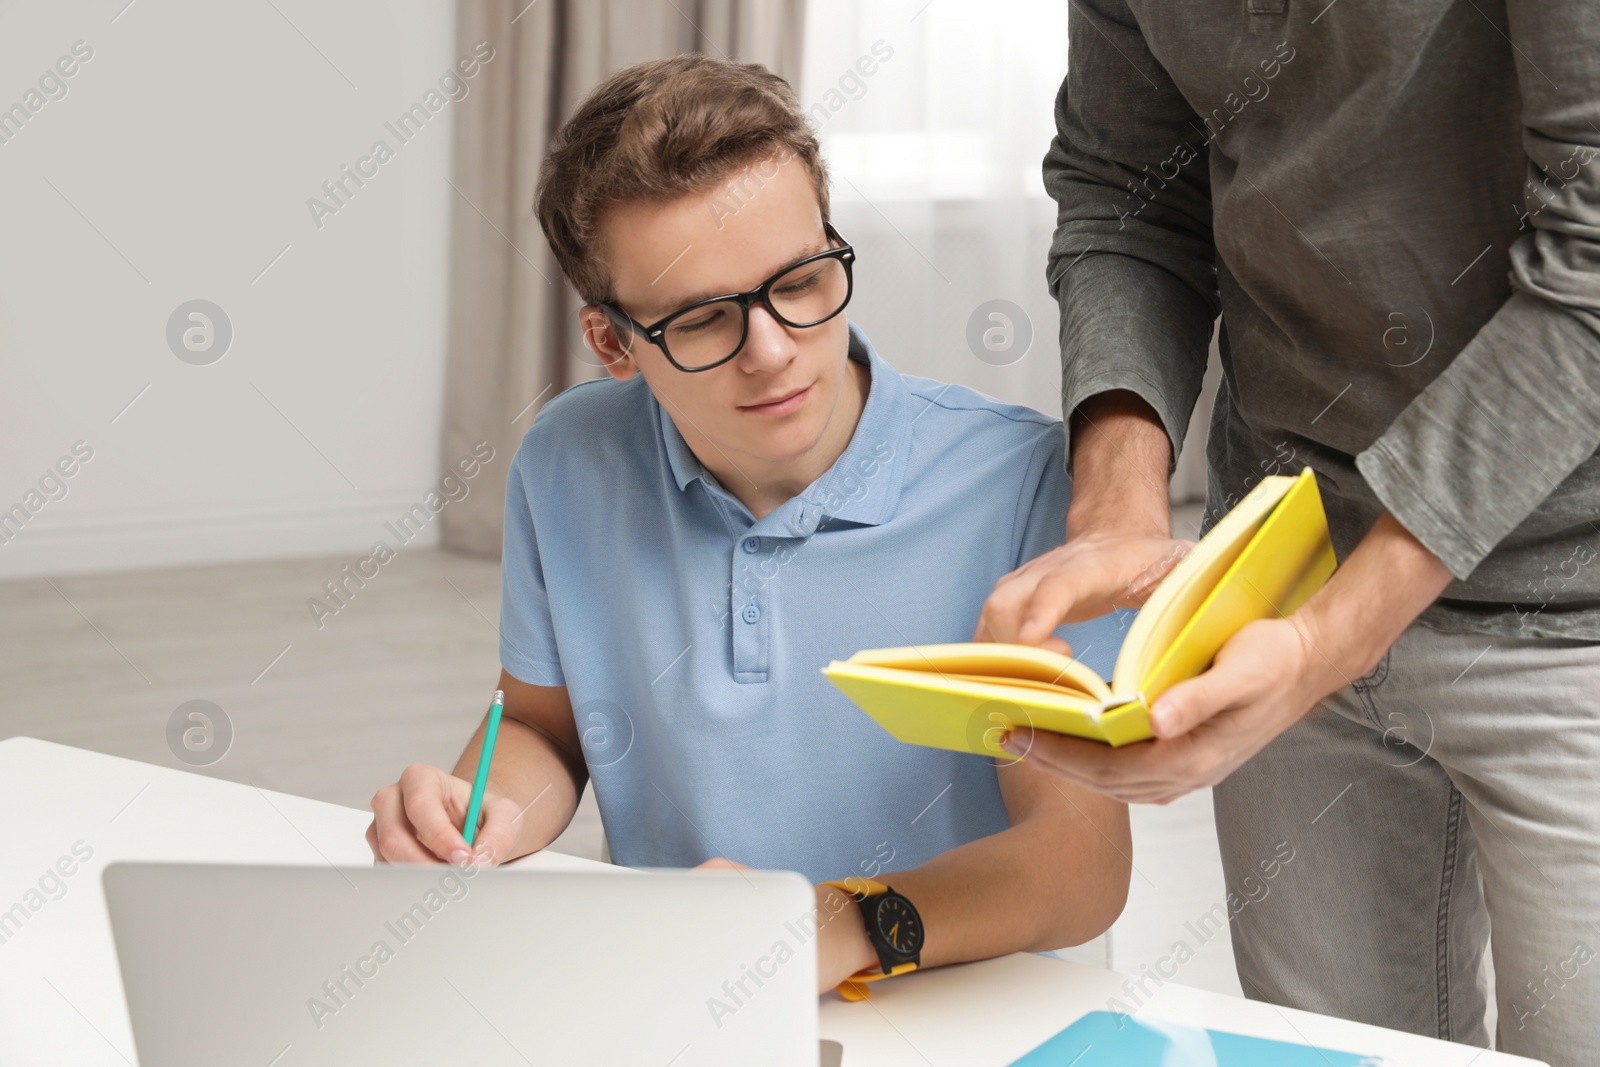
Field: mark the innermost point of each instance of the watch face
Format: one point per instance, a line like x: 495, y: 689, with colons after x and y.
x: 899, y: 925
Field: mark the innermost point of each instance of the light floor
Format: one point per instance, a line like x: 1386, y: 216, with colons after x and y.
x: 402, y: 674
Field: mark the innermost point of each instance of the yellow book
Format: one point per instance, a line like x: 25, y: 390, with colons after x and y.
x: 1262, y: 560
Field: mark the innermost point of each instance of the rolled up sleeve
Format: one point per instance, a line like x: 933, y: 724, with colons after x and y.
x: 1518, y: 409
x: 1132, y: 263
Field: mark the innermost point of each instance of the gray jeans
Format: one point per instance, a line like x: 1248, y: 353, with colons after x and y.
x: 1456, y: 784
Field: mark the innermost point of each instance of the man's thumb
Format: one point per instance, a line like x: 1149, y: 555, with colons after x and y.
x: 1191, y: 702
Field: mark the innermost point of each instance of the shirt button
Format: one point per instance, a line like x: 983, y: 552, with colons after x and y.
x: 750, y: 613
x: 752, y: 544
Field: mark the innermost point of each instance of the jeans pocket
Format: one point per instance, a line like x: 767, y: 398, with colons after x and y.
x: 1365, y: 689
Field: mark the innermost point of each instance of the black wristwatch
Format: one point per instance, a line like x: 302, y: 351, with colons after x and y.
x: 893, y: 927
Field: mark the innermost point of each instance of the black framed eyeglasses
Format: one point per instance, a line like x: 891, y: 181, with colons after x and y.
x: 710, y: 332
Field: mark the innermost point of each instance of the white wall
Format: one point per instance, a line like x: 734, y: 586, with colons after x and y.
x: 177, y: 166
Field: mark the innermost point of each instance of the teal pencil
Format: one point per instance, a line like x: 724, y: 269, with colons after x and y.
x: 470, y: 829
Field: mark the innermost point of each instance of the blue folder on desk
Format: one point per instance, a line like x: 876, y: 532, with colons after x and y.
x: 1111, y: 1039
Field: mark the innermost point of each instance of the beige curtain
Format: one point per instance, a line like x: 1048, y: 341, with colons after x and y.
x: 512, y: 338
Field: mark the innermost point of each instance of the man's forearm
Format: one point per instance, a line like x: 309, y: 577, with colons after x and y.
x: 1120, y: 457
x: 1375, y: 594
x: 530, y: 769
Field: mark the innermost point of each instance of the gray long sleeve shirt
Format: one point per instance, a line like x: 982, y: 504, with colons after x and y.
x: 1396, y: 208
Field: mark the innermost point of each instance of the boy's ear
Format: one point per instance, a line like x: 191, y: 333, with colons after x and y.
x: 603, y: 337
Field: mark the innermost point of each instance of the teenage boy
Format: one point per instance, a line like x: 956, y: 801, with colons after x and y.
x: 754, y: 492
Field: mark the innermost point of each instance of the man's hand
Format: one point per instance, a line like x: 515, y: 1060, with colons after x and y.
x: 1263, y: 680
x: 1118, y: 542
x: 419, y: 819
x: 1083, y: 579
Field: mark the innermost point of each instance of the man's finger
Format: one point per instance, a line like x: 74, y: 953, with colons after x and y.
x: 1142, y: 584
x: 1134, y: 773
x: 1002, y: 611
x: 1188, y: 704
x: 1085, y: 762
x: 1237, y: 677
x: 1058, y: 597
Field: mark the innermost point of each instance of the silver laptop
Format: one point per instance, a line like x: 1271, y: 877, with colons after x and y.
x: 292, y: 966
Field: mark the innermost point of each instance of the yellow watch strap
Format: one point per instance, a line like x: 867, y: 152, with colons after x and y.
x: 855, y: 885
x: 855, y: 987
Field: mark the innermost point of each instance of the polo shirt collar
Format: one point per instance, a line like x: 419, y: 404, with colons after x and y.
x: 863, y: 484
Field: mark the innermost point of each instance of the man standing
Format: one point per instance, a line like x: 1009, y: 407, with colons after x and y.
x: 1396, y: 208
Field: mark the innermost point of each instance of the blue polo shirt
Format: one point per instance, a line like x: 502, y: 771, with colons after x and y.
x: 690, y: 636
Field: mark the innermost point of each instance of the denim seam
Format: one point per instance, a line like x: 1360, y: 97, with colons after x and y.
x: 1366, y: 684
x: 1446, y: 893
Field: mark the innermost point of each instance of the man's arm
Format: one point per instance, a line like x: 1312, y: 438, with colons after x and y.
x: 536, y: 779
x: 1057, y: 877
x: 1132, y: 265
x: 1464, y: 463
x: 1518, y: 409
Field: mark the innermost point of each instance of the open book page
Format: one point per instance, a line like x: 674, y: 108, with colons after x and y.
x: 991, y: 660
x: 966, y: 712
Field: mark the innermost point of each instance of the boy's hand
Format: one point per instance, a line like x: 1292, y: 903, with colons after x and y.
x: 843, y: 947
x: 419, y: 819
x: 1085, y: 578
x: 842, y: 944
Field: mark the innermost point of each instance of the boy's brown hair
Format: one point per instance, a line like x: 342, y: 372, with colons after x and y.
x: 656, y: 131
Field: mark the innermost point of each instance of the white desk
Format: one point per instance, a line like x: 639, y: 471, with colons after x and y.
x: 61, y: 994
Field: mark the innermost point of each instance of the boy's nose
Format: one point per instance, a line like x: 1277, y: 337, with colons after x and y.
x: 769, y: 344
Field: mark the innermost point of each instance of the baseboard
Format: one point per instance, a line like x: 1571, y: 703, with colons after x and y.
x: 92, y: 546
